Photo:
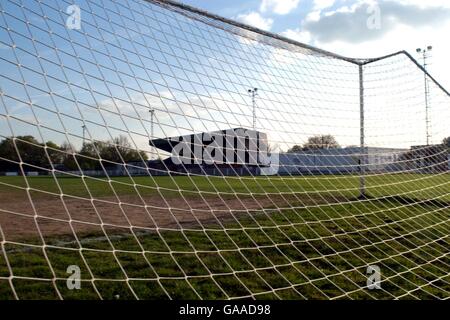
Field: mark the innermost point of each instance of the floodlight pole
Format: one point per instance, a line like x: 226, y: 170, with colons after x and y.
x: 84, y: 133
x: 253, y: 93
x: 362, y: 157
x: 425, y: 52
x: 152, y: 115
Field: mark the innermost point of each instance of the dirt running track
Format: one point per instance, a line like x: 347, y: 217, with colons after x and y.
x: 21, y: 218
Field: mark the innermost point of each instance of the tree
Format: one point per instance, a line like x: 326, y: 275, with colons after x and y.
x: 68, y: 152
x: 8, y: 152
x: 23, y: 148
x: 54, y: 152
x: 321, y: 142
x: 90, y: 154
x: 120, y: 150
x: 446, y: 142
x: 295, y: 148
x: 28, y: 150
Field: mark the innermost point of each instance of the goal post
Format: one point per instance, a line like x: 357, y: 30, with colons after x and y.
x: 362, y: 133
x: 152, y: 150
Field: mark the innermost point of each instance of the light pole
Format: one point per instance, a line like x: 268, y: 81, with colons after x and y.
x: 425, y: 54
x: 253, y: 92
x: 152, y: 115
x: 84, y: 133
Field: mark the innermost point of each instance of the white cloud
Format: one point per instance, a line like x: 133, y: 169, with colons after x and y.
x: 256, y: 20
x: 279, y: 6
x: 428, y: 3
x: 323, y: 4
x: 412, y: 26
x: 313, y: 16
x: 297, y: 35
x: 400, y: 38
x: 352, y: 25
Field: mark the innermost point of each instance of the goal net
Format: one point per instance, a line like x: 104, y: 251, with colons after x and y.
x: 149, y: 150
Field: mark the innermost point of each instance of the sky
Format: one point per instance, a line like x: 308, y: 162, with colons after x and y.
x: 358, y: 29
x: 60, y: 83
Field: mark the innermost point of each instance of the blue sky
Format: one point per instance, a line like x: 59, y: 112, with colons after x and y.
x: 341, y: 25
x: 119, y: 73
x: 233, y: 8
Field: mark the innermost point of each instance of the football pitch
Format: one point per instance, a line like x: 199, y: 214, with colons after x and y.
x: 421, y: 186
x: 220, y: 237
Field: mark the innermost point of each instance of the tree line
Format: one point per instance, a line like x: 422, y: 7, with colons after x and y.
x: 326, y: 141
x: 329, y: 142
x: 446, y: 142
x: 91, y: 156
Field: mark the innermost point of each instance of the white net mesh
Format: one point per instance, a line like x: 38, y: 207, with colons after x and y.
x: 342, y: 183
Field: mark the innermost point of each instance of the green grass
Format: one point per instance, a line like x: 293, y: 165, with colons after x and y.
x: 411, y: 185
x: 317, y: 252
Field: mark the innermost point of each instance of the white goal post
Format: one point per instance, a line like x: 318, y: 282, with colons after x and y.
x: 152, y: 150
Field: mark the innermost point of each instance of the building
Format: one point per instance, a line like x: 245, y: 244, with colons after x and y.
x: 340, y: 161
x: 236, y: 151
x: 429, y: 158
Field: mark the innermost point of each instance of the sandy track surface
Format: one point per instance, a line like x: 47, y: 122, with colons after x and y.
x: 25, y: 218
